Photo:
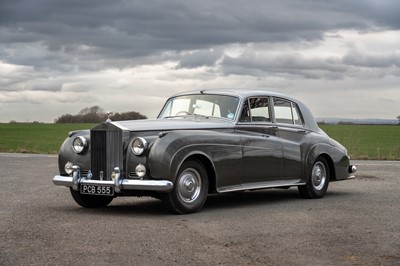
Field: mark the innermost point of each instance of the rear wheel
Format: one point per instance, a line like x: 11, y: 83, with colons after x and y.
x: 318, y: 182
x: 190, y: 190
x: 90, y: 201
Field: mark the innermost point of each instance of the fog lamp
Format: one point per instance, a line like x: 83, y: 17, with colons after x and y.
x: 140, y: 170
x: 68, y: 168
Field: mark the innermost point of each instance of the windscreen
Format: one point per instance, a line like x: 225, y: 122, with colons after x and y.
x: 209, y: 105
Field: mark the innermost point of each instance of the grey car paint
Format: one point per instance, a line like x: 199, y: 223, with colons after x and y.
x: 236, y: 155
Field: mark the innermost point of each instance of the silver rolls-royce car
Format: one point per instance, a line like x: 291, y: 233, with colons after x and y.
x: 208, y: 141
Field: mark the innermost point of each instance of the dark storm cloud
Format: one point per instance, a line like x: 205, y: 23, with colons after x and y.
x: 290, y: 64
x: 57, y: 37
x: 312, y: 67
x: 72, y: 51
x: 200, y: 58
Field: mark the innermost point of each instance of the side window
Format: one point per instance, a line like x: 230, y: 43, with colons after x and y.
x: 259, y: 110
x: 255, y: 110
x: 287, y: 112
x: 283, y: 111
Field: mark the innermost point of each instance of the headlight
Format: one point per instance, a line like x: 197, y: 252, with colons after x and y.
x: 139, y: 145
x: 79, y: 144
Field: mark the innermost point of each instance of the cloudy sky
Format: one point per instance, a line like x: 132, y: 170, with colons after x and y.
x: 342, y: 58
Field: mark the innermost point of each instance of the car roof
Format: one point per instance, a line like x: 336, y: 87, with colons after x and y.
x: 242, y: 93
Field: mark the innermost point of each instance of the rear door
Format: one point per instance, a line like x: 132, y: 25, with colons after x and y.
x: 262, y: 148
x: 290, y: 128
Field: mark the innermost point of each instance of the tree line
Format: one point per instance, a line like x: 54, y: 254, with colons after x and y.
x: 96, y: 114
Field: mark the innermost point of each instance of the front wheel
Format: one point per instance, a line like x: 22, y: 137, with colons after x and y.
x: 190, y: 189
x: 90, y: 201
x: 318, y: 182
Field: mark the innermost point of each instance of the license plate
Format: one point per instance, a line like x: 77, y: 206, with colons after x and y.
x: 97, y: 190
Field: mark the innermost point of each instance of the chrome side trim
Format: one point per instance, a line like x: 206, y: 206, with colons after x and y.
x: 262, y: 185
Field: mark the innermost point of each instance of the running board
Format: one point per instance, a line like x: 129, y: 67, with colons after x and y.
x: 262, y: 185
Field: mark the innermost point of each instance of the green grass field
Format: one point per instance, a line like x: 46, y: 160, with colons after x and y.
x: 378, y: 142
x: 361, y: 141
x: 35, y: 138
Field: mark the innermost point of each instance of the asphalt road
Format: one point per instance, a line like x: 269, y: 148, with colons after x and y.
x: 356, y: 223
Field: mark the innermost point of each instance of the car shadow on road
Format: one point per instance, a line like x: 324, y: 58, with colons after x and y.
x: 216, y: 202
x: 251, y: 198
x: 267, y: 198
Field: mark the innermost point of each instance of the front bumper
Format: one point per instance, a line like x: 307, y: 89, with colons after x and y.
x: 118, y: 183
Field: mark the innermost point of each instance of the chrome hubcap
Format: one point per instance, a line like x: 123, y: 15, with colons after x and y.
x: 189, y: 185
x: 318, y: 176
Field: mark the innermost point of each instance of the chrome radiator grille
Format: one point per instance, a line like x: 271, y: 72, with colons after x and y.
x: 106, y: 152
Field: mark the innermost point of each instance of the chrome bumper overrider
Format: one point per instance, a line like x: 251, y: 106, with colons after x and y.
x: 118, y: 183
x: 351, y: 169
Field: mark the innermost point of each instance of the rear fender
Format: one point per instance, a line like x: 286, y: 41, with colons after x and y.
x: 337, y: 159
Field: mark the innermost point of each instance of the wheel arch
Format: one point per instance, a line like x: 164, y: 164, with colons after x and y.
x: 316, y: 152
x: 207, y: 164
